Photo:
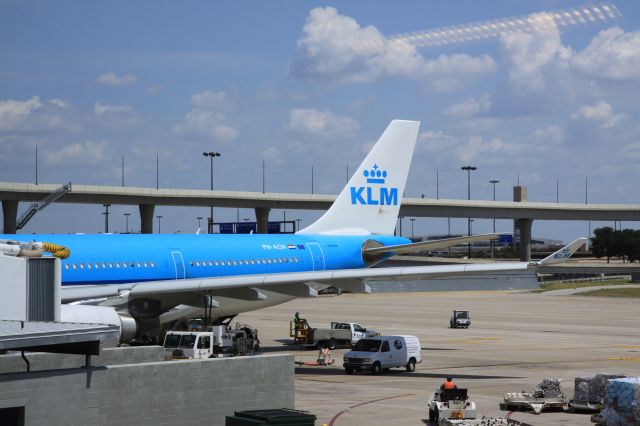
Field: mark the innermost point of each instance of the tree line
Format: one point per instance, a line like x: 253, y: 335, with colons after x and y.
x: 624, y: 244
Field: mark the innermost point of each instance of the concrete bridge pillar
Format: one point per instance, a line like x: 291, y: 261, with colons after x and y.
x: 262, y: 217
x: 146, y: 218
x: 524, y: 225
x: 10, y: 215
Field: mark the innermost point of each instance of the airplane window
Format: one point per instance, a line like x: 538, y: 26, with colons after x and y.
x: 204, y: 263
x: 296, y: 259
x: 153, y: 264
x: 74, y: 266
x: 117, y: 264
x: 88, y: 265
x: 253, y: 261
x: 81, y: 265
x: 275, y: 260
x: 268, y: 260
x: 246, y: 261
x: 146, y: 264
x: 139, y: 264
x: 110, y: 264
x: 104, y: 265
x: 66, y: 266
x: 125, y: 264
x: 217, y: 263
x: 210, y: 263
x: 228, y: 263
x: 235, y: 262
x: 241, y: 262
x: 191, y: 262
x: 133, y: 264
x: 279, y: 260
x: 197, y: 263
x: 97, y: 265
x: 258, y: 261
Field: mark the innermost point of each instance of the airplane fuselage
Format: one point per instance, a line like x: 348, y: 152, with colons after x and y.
x: 124, y: 258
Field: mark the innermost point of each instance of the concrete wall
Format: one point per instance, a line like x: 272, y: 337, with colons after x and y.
x: 153, y: 393
x: 13, y: 363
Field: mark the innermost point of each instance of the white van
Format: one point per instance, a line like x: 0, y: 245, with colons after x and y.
x: 383, y: 352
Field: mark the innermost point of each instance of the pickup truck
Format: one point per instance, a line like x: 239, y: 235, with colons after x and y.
x: 343, y: 334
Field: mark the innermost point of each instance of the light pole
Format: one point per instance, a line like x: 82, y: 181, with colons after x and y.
x: 126, y: 218
x: 159, y: 229
x: 211, y: 154
x: 493, y: 242
x: 413, y: 219
x: 106, y: 217
x: 36, y: 164
x: 468, y: 169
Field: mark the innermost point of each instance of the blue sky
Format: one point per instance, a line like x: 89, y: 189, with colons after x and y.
x: 88, y: 82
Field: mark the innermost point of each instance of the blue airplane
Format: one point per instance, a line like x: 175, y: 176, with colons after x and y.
x: 143, y: 283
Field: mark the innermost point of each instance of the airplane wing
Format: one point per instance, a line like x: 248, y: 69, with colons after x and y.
x: 290, y: 282
x: 429, y: 245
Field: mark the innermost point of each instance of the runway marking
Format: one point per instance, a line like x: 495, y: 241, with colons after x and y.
x: 470, y: 341
x: 623, y: 358
x: 334, y: 418
x: 627, y: 346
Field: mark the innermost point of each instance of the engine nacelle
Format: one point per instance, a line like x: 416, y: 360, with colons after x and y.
x: 100, y: 315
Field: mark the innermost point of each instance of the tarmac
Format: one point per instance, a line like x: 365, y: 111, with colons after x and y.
x: 516, y: 339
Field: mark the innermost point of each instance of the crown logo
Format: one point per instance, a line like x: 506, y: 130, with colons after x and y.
x: 375, y: 175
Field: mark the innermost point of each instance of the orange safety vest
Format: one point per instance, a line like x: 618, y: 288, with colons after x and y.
x: 449, y: 385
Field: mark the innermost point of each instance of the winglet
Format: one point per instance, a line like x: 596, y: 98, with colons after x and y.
x: 564, y: 253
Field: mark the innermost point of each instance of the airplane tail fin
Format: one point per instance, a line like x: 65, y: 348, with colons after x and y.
x: 564, y: 253
x: 370, y: 202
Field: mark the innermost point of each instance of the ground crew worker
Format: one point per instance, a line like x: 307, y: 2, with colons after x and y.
x: 296, y: 319
x: 449, y: 384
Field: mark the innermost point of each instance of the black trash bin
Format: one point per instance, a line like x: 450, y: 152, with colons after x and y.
x: 281, y: 416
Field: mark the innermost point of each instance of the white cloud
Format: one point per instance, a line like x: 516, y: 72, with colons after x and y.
x: 112, y: 79
x: 336, y: 47
x: 321, y: 123
x: 530, y: 54
x: 102, y: 109
x: 273, y: 156
x: 476, y: 146
x: 470, y: 107
x: 86, y: 153
x: 553, y: 135
x: 60, y: 103
x: 210, y: 100
x: 207, y: 119
x: 14, y: 113
x: 612, y: 54
x: 602, y: 113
